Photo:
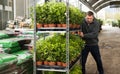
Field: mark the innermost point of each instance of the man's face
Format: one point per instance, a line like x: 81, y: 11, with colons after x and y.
x: 89, y: 19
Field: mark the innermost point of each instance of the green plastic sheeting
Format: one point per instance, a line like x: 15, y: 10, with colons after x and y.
x: 3, y: 35
x: 11, y: 50
x: 7, y: 43
x: 7, y: 59
x: 1, y: 61
x: 23, y: 56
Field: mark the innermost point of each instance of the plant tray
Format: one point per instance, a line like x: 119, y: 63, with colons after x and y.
x: 51, y: 67
x: 73, y: 63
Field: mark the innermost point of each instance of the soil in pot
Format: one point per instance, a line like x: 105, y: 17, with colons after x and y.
x: 52, y: 63
x: 39, y: 63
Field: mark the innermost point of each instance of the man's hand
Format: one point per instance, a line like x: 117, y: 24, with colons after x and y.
x: 81, y: 34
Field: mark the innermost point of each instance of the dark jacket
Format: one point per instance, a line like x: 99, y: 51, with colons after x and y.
x: 90, y: 32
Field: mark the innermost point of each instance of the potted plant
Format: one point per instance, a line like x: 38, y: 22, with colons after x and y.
x: 52, y: 60
x: 53, y: 49
x: 59, y: 10
x: 39, y: 59
x: 39, y: 25
x: 42, y: 52
x: 58, y: 54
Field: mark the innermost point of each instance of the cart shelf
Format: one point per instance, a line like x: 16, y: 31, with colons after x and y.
x: 59, y: 68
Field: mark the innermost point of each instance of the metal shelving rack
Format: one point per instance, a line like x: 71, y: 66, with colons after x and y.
x: 54, y: 30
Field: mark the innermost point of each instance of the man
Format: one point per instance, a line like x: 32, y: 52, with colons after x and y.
x: 89, y: 33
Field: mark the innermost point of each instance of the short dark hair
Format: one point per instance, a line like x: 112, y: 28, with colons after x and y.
x: 90, y: 13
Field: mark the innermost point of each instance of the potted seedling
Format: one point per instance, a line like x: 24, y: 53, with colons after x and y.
x: 52, y: 60
x: 39, y: 59
x: 58, y: 54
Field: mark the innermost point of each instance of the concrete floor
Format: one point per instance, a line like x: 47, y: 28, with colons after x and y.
x: 109, y: 42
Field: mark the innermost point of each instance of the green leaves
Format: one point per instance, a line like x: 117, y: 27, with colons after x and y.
x: 54, y: 13
x: 54, y: 48
x: 76, y: 15
x: 50, y: 13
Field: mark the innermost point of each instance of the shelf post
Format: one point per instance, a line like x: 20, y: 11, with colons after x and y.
x: 34, y: 54
x: 67, y: 35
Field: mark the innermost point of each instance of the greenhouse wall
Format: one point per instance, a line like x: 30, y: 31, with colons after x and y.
x: 6, y: 10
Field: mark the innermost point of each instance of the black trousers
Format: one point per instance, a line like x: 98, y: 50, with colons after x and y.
x: 94, y: 50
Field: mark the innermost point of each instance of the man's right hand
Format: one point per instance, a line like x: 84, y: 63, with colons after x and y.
x: 81, y: 34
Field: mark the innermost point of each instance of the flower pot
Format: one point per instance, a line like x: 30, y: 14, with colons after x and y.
x: 59, y: 25
x: 52, y: 25
x: 64, y: 64
x: 52, y: 63
x: 45, y: 25
x: 78, y: 26
x: 39, y: 25
x: 39, y: 63
x: 74, y: 26
x: 71, y: 26
x: 72, y: 32
x: 64, y: 25
x: 46, y: 62
x: 59, y: 63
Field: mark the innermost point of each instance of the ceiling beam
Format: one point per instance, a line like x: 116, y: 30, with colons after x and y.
x: 87, y: 4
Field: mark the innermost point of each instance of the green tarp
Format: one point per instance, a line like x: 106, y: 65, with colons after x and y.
x: 7, y: 59
x: 4, y: 57
x: 7, y: 43
x: 3, y: 35
x: 23, y: 56
x: 13, y: 42
x: 11, y: 50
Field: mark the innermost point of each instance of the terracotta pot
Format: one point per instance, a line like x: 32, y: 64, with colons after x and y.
x: 64, y: 64
x: 59, y: 63
x: 39, y: 25
x: 78, y: 26
x: 59, y: 25
x: 64, y: 25
x: 39, y: 63
x: 52, y: 25
x: 71, y: 26
x: 74, y: 26
x: 52, y: 63
x: 45, y: 25
x: 46, y: 62
x: 73, y: 32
